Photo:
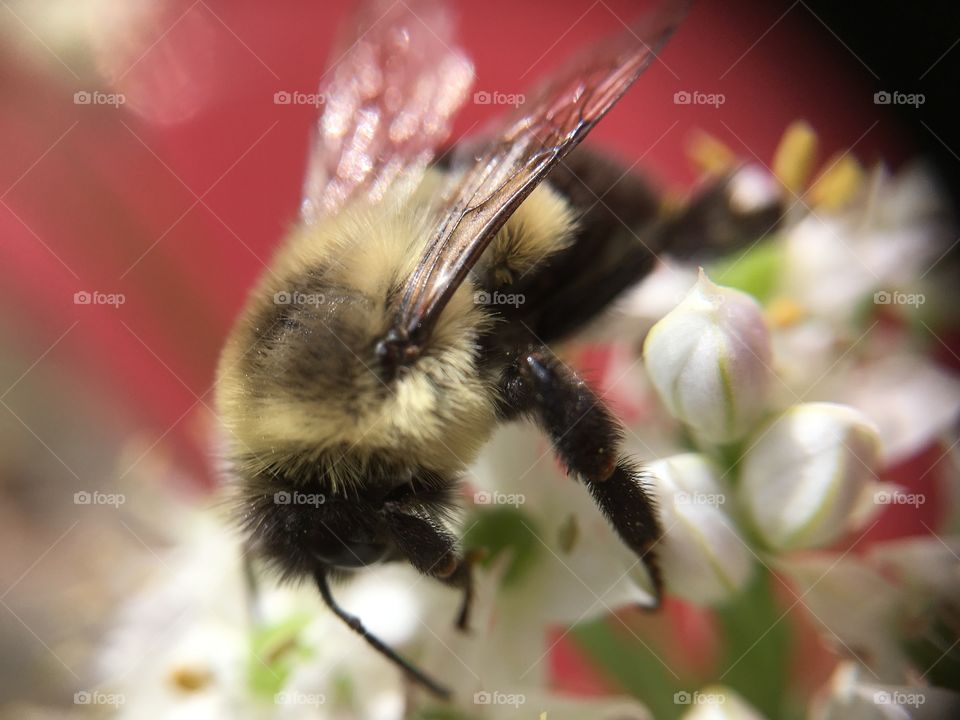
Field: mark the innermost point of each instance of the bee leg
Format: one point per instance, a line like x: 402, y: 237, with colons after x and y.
x: 463, y: 577
x: 633, y: 514
x: 584, y: 433
x: 586, y: 437
x: 354, y: 623
x: 433, y: 551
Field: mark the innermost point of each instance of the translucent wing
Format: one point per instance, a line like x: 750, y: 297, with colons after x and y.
x: 389, y: 94
x: 505, y: 169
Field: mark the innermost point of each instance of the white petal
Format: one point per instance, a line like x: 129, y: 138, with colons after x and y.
x: 911, y: 401
x: 566, y: 584
x: 854, y: 608
x: 929, y: 566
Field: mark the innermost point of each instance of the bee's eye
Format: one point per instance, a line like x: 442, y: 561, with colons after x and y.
x: 350, y: 553
x: 399, y: 492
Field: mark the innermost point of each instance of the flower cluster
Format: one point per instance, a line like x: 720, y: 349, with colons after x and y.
x: 797, y: 478
x: 795, y: 388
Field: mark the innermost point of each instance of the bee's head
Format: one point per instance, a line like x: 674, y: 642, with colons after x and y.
x: 299, y: 532
x: 300, y: 526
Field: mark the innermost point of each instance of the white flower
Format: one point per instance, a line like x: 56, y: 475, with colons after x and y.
x: 852, y: 694
x: 709, y: 360
x: 573, y: 579
x: 911, y: 399
x: 185, y: 647
x: 929, y: 567
x: 806, y: 478
x: 704, y: 558
x: 187, y: 624
x: 854, y: 608
x: 883, y: 243
x: 716, y: 702
x: 339, y: 674
x: 574, y: 568
x: 869, y: 608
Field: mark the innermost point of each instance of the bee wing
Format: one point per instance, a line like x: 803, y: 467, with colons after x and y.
x: 388, y: 97
x: 506, y: 168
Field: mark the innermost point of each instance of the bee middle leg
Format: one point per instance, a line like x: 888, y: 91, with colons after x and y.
x: 586, y: 437
x: 433, y: 552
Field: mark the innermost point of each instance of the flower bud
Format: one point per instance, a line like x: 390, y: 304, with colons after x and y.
x: 804, y: 480
x: 704, y: 559
x: 709, y: 360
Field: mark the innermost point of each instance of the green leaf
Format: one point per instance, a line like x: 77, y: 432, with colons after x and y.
x: 756, y: 271
x: 504, y: 529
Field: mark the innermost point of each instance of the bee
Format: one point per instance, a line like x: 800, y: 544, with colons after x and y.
x: 373, y: 360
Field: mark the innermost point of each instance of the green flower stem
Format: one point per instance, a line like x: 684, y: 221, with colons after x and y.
x: 757, y: 647
x: 632, y: 666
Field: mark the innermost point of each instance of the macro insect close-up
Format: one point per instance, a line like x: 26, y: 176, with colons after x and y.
x: 423, y: 359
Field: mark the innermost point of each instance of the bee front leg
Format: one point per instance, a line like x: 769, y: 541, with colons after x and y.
x: 584, y: 433
x: 586, y: 437
x: 433, y: 551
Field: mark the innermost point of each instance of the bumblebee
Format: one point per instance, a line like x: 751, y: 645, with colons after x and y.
x: 413, y: 307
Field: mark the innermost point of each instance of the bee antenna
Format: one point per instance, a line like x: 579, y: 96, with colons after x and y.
x: 354, y: 623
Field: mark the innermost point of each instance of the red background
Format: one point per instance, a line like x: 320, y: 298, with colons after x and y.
x: 94, y: 189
